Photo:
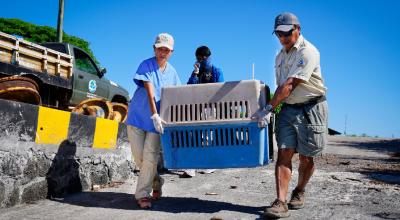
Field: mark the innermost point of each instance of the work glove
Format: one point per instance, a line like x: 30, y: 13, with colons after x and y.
x: 196, y: 68
x: 158, y: 123
x: 263, y: 117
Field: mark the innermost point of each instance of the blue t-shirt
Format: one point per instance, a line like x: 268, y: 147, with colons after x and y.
x: 139, y: 112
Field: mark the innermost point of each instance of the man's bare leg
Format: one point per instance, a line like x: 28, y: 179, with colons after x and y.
x: 306, y: 170
x: 283, y: 172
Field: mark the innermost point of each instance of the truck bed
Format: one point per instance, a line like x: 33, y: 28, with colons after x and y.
x: 33, y: 56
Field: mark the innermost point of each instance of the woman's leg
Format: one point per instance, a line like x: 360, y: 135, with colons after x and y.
x: 136, y: 138
x: 148, y: 170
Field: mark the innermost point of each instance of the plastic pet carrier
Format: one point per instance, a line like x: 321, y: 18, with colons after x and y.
x: 211, y: 125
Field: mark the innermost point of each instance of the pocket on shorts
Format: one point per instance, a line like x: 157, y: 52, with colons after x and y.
x: 316, y: 136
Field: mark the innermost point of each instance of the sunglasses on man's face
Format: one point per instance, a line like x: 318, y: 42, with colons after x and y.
x: 284, y: 33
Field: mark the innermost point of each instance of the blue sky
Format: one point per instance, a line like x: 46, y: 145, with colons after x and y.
x: 358, y: 42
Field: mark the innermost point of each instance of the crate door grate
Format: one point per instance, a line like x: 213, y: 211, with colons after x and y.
x: 214, y: 137
x: 209, y: 111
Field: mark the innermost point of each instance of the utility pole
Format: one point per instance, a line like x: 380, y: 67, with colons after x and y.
x: 345, y: 125
x: 60, y: 20
x: 252, y: 70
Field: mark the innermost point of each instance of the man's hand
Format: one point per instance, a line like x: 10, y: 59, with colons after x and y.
x: 196, y: 68
x: 157, y: 122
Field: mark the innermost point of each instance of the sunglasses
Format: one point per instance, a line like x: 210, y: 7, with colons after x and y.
x: 284, y: 33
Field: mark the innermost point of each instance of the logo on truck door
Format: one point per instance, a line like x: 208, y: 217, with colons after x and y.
x: 92, y: 86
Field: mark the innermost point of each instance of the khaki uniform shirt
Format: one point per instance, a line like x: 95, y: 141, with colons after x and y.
x: 302, y: 62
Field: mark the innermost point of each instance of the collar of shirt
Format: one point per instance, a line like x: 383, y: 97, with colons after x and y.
x: 297, y: 45
x: 299, y: 42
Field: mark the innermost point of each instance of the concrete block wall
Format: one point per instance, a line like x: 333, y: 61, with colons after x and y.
x: 50, y: 153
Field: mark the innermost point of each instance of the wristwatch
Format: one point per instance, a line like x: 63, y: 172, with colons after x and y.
x: 269, y: 108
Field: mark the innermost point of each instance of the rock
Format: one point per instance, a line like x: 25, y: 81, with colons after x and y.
x: 35, y: 190
x: 96, y: 187
x: 345, y: 163
x: 14, y: 198
x: 2, y: 192
x: 96, y: 161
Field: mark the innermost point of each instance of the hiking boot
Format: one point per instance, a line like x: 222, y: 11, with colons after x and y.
x: 297, y: 200
x: 278, y: 209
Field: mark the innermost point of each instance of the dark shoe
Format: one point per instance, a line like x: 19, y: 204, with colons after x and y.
x: 188, y: 173
x: 185, y: 175
x: 278, y: 209
x: 297, y: 200
x: 144, y: 203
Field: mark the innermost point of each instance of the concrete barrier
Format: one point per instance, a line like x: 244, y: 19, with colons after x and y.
x: 46, y: 152
x: 51, y: 126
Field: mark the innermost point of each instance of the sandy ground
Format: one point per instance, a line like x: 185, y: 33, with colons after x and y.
x: 356, y: 178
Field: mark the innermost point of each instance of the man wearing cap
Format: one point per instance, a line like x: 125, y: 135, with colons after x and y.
x: 301, y: 125
x: 144, y: 123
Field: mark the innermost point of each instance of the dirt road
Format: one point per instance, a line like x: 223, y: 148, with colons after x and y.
x: 356, y: 178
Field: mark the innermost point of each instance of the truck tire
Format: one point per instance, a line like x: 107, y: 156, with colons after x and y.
x: 120, y: 112
x: 20, y: 89
x: 95, y: 107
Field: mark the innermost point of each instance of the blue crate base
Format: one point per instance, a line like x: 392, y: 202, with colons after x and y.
x: 218, y: 146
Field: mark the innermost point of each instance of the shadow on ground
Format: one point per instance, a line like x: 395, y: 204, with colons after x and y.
x: 378, y: 170
x: 389, y: 177
x: 114, y: 200
x: 391, y: 146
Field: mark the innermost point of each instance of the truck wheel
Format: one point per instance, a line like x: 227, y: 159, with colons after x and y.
x: 20, y: 89
x: 120, y: 112
x: 95, y: 107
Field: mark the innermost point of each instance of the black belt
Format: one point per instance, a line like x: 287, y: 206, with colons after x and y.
x: 312, y: 101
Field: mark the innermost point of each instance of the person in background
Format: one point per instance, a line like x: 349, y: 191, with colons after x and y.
x: 144, y: 123
x: 204, y: 72
x: 301, y: 125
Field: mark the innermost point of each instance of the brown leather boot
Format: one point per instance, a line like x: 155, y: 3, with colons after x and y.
x: 278, y: 209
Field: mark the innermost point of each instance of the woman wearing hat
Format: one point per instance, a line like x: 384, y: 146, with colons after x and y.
x: 144, y: 124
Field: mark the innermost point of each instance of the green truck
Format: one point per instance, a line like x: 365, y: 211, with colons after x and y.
x: 57, y: 75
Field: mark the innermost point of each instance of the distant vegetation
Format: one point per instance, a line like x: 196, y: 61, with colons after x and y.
x: 40, y: 34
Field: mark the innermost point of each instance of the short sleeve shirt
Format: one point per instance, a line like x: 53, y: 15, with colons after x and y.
x: 302, y: 62
x: 139, y: 112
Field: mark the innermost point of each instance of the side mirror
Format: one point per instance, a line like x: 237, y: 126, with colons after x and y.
x: 102, y: 72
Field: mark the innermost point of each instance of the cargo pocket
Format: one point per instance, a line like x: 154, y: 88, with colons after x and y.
x: 316, y: 137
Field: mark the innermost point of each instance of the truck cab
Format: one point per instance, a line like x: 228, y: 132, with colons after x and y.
x: 88, y: 79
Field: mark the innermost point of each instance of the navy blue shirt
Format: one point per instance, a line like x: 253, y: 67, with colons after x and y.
x: 214, y: 76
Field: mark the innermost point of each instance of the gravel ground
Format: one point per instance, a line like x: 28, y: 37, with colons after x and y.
x: 356, y: 178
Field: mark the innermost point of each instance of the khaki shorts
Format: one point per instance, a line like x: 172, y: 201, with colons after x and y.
x: 303, y: 128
